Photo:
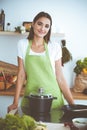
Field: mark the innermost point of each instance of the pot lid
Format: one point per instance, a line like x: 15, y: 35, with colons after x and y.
x: 41, y: 94
x: 44, y: 96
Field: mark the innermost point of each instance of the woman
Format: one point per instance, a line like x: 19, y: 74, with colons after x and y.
x: 39, y: 62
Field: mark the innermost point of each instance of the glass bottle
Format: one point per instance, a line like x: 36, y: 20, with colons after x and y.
x: 8, y: 28
x: 2, y: 20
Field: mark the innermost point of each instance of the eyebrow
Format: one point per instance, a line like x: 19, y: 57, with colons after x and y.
x: 42, y: 23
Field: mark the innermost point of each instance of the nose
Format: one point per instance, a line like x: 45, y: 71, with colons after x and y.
x: 42, y: 27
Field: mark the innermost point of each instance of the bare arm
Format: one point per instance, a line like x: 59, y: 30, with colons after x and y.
x: 20, y: 81
x: 62, y: 82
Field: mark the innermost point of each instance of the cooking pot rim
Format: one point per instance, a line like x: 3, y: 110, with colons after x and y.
x: 73, y: 107
x: 32, y: 96
x: 46, y: 96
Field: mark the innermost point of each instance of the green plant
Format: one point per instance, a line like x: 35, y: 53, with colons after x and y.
x: 20, y: 29
x: 81, y: 66
x: 17, y: 122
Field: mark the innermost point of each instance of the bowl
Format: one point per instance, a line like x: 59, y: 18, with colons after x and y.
x: 80, y: 123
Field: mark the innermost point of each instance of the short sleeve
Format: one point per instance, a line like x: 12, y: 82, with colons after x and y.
x: 21, y: 48
x: 58, y: 51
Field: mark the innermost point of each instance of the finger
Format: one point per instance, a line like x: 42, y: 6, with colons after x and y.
x: 9, y: 108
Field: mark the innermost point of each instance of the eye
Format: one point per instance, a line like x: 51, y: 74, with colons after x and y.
x: 39, y: 23
x: 47, y: 26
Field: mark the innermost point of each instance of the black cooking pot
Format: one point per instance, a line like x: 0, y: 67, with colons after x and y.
x: 40, y: 102
x: 73, y: 111
x: 76, y: 110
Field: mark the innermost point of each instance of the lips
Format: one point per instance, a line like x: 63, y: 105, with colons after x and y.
x: 41, y: 32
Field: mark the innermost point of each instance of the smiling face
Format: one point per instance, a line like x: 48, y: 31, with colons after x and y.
x: 41, y: 27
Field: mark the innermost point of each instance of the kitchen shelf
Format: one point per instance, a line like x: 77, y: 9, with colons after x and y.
x: 6, y: 33
x: 11, y: 33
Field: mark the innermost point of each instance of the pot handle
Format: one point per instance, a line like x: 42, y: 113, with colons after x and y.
x: 26, y: 96
x: 54, y: 97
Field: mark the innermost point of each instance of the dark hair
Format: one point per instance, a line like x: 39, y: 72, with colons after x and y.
x: 39, y: 15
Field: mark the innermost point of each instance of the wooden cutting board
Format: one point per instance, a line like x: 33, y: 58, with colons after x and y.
x: 8, y: 68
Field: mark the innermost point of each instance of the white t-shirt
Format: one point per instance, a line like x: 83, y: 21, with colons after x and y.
x: 54, y: 50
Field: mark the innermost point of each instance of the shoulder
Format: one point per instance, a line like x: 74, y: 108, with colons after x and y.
x: 21, y: 47
x: 55, y: 50
x: 22, y: 43
x: 54, y: 45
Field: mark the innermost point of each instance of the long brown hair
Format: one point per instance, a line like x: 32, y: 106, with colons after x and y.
x: 39, y: 15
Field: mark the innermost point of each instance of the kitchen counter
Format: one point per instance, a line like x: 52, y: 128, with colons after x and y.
x: 56, y: 126
x: 77, y: 95
x: 11, y: 92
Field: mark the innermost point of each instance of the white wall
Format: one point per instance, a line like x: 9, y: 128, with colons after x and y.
x: 69, y: 16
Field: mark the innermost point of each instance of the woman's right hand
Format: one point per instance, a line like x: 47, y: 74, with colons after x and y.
x: 12, y: 107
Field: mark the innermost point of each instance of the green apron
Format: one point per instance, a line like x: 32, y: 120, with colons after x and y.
x: 40, y: 75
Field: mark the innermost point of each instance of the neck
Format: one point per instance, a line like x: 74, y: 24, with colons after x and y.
x: 38, y: 42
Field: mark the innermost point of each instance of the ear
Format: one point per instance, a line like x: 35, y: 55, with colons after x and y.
x: 32, y: 24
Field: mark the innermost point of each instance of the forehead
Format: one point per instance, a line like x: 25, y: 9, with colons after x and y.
x: 44, y: 20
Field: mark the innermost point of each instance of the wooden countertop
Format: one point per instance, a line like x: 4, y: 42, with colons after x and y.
x: 11, y: 92
x: 77, y: 95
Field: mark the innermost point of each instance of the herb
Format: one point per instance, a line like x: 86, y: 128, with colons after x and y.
x: 16, y: 122
x: 66, y: 55
x: 81, y: 122
x: 80, y: 66
x: 20, y: 29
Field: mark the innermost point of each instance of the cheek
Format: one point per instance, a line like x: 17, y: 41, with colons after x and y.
x: 47, y: 30
x: 36, y: 28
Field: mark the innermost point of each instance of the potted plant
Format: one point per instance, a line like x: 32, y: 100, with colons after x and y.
x: 80, y: 70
